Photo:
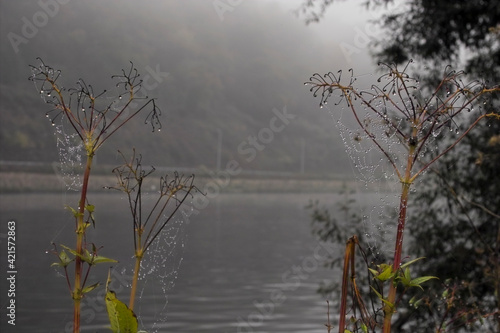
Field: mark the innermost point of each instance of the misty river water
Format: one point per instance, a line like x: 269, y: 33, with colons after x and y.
x: 245, y: 263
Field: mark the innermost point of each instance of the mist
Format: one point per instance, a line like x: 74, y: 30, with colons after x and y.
x: 218, y: 71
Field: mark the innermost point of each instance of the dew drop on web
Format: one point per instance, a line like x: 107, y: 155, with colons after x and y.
x: 160, y: 268
x: 373, y: 173
x: 70, y: 149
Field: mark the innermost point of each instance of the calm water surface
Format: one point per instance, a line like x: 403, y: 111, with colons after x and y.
x: 245, y: 263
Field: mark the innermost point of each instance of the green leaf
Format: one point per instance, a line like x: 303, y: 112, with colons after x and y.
x: 405, y: 277
x: 90, y: 288
x: 418, y: 281
x: 406, y: 264
x: 415, y: 301
x: 91, y: 209
x: 382, y: 298
x: 122, y: 319
x: 101, y: 259
x: 73, y: 211
x: 407, y: 274
x: 64, y: 260
x: 377, y: 293
x: 386, y: 273
x: 70, y: 250
x: 88, y: 257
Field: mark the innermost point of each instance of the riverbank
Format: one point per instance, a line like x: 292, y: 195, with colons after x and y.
x: 22, y: 181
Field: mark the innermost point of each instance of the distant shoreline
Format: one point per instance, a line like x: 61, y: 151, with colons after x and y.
x: 22, y: 181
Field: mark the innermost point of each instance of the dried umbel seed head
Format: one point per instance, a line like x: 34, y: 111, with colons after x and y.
x: 411, y: 114
x: 91, y: 115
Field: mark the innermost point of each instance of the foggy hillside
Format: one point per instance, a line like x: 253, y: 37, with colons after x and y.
x: 214, y: 76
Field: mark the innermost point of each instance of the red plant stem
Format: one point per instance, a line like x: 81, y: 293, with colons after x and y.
x: 80, y: 233
x: 401, y: 226
x: 390, y: 306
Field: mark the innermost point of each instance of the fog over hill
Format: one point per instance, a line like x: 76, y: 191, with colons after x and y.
x: 229, y: 80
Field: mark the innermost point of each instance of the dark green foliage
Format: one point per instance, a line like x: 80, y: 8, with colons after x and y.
x: 456, y: 226
x: 434, y: 31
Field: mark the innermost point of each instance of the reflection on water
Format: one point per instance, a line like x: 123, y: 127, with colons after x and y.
x: 248, y: 263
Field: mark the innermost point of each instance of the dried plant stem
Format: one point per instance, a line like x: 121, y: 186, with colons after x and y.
x: 133, y: 289
x: 147, y: 227
x: 348, y: 261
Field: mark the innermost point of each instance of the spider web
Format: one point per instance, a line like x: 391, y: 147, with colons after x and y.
x: 69, y: 146
x: 373, y: 175
x: 70, y: 149
x: 373, y: 172
x: 158, y: 274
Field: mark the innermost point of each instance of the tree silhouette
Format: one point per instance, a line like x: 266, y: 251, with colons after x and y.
x: 433, y: 31
x: 459, y: 203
